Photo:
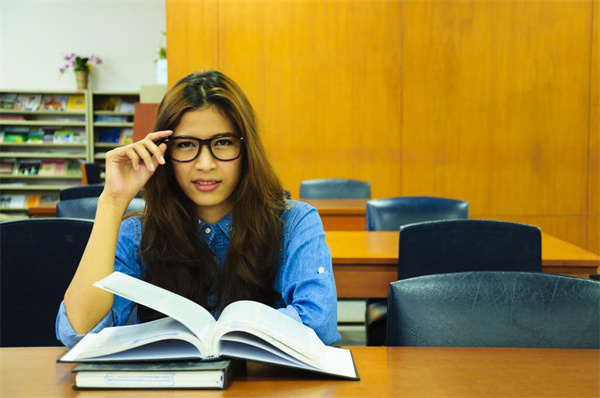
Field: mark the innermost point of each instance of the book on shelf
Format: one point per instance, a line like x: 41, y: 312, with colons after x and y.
x: 13, y: 201
x: 245, y: 330
x: 155, y: 375
x: 28, y: 102
x: 7, y: 166
x: 126, y: 105
x: 8, y: 100
x: 105, y: 103
x: 29, y: 167
x: 16, y: 135
x: 64, y: 136
x: 55, y: 102
x: 34, y: 200
x: 35, y: 137
x: 76, y: 103
x: 110, y: 135
x: 126, y: 136
x: 73, y: 168
x: 51, y: 167
x: 12, y: 117
x: 111, y: 119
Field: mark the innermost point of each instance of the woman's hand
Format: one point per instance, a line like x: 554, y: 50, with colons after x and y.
x: 129, y: 167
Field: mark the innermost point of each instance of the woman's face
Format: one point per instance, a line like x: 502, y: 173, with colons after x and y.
x: 206, y: 181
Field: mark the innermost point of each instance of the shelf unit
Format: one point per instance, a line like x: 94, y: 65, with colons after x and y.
x: 108, y: 105
x: 87, y: 122
x: 20, y: 188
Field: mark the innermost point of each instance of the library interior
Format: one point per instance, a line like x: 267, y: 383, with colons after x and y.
x: 449, y: 150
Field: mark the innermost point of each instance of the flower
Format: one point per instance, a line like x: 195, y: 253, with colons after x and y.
x: 79, y: 63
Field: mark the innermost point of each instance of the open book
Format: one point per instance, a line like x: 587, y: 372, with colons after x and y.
x: 245, y: 329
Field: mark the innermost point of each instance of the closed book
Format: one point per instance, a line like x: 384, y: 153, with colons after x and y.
x: 155, y: 375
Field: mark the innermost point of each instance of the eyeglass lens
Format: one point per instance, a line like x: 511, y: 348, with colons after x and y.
x: 186, y: 149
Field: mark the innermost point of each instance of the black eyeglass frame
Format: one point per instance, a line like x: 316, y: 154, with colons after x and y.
x: 201, y: 143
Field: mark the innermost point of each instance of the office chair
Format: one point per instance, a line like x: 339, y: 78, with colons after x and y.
x: 335, y: 188
x: 465, y: 245
x: 494, y: 309
x: 90, y: 173
x: 38, y: 259
x: 86, y: 207
x: 389, y: 214
x: 81, y: 191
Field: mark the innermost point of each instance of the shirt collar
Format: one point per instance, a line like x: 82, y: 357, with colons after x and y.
x: 224, y: 225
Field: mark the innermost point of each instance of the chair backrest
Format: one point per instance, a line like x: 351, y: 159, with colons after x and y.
x: 494, y: 309
x: 86, y: 207
x: 90, y: 173
x: 335, y: 188
x: 468, y: 245
x: 389, y: 214
x: 82, y: 191
x: 38, y: 259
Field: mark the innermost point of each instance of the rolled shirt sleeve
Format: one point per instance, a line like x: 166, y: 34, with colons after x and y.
x: 305, y: 276
x: 123, y: 311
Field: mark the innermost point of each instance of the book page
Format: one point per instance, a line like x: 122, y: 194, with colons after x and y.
x: 275, y: 328
x: 122, y: 341
x: 197, y: 319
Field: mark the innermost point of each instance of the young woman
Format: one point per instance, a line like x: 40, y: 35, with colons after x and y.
x: 216, y: 227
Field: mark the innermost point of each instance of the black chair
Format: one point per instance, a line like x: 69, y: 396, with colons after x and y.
x: 86, y: 207
x: 90, y: 173
x: 335, y: 188
x: 458, y: 246
x: 468, y: 245
x: 494, y: 309
x: 81, y: 191
x: 38, y: 259
x: 389, y: 214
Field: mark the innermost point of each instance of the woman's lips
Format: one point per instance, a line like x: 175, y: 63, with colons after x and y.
x: 206, y: 185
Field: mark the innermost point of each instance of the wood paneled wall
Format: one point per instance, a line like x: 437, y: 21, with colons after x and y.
x: 494, y: 102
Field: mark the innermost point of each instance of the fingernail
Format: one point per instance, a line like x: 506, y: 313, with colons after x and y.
x: 161, y: 160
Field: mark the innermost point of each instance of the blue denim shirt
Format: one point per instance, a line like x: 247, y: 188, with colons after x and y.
x: 304, y: 275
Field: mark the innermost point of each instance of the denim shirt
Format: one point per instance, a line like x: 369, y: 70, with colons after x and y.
x: 304, y: 275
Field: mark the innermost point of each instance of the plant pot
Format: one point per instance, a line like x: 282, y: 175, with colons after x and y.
x: 82, y: 79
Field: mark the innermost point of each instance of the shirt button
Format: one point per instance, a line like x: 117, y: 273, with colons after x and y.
x: 207, y: 230
x: 321, y: 270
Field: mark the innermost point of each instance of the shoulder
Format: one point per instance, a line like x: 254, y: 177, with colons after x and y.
x: 296, y: 209
x: 297, y: 213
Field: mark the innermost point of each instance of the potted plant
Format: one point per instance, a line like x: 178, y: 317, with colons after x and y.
x: 81, y: 66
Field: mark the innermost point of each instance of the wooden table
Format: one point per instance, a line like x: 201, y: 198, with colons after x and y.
x: 43, y: 210
x: 384, y: 372
x: 365, y: 262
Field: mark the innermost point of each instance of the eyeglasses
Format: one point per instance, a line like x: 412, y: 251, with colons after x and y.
x: 224, y: 147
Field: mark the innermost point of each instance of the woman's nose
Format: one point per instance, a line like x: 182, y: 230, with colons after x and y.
x: 205, y: 160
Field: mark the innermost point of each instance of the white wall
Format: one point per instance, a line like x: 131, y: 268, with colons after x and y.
x: 36, y: 35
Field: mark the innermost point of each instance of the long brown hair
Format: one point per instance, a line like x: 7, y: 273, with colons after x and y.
x: 174, y: 257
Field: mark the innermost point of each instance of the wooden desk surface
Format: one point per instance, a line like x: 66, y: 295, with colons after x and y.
x: 43, y: 210
x: 384, y: 372
x: 365, y: 262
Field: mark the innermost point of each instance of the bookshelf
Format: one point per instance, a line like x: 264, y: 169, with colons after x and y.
x: 112, y: 122
x: 44, y: 139
x: 46, y: 135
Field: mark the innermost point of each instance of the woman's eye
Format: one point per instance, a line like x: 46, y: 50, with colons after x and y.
x: 185, y: 144
x: 224, y: 142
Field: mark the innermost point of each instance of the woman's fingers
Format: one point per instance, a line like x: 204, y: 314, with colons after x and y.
x: 147, y: 151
